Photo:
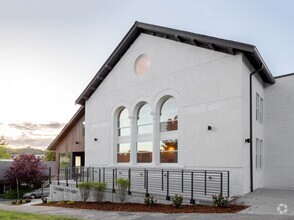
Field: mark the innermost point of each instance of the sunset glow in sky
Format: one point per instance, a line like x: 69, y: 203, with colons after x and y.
x: 50, y: 50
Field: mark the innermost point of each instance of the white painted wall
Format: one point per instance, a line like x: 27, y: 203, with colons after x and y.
x: 210, y: 90
x: 279, y: 134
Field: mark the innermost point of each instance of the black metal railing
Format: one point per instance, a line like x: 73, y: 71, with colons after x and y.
x: 192, y: 184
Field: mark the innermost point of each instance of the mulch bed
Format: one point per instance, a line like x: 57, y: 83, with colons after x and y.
x: 159, y: 208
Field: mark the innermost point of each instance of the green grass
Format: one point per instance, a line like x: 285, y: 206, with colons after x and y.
x: 11, y: 215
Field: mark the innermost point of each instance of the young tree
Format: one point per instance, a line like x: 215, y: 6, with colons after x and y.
x: 26, y: 169
x: 4, y: 151
x: 50, y: 155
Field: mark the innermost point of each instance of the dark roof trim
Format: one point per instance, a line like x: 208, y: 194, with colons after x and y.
x: 281, y: 76
x: 212, y: 43
x: 80, y: 113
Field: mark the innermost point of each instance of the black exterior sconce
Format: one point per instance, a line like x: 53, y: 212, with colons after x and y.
x: 247, y: 140
x: 209, y: 127
x: 95, y: 139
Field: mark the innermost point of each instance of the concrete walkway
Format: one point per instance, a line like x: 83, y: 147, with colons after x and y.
x: 264, y: 205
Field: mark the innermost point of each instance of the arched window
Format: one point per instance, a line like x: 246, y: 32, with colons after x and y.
x: 123, y: 123
x: 123, y: 136
x: 169, y: 115
x: 144, y: 134
x: 144, y: 120
x: 168, y: 131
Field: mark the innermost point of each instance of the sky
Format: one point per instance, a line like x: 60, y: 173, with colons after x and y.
x: 50, y: 50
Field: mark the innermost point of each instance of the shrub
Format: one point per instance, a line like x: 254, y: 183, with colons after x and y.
x: 70, y: 202
x: 220, y: 200
x: 177, y: 200
x: 122, y: 188
x: 85, y: 190
x: 61, y: 202
x: 99, y: 189
x: 44, y: 200
x: 149, y: 201
x: 12, y: 194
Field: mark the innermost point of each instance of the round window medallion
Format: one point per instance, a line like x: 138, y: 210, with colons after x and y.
x: 142, y: 64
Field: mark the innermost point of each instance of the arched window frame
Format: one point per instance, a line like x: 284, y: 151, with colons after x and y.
x: 144, y: 140
x: 123, y: 142
x: 168, y: 145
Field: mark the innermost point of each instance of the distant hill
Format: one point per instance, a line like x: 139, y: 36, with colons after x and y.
x: 27, y: 150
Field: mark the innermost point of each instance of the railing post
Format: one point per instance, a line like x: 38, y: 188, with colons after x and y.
x: 228, y: 183
x: 77, y: 172
x: 205, y: 183
x: 162, y: 180
x: 83, y: 174
x: 221, y: 183
x: 103, y: 174
x: 88, y: 173
x: 58, y: 172
x: 49, y: 175
x: 99, y: 175
x: 66, y: 175
x: 192, y: 201
x: 129, y: 178
x: 167, y: 186
x: 147, y: 194
x: 93, y: 174
x: 182, y: 181
x: 113, y: 189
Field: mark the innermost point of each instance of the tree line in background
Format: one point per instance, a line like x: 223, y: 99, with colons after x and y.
x: 6, y: 152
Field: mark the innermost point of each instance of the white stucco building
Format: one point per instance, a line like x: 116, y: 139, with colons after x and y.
x: 170, y: 99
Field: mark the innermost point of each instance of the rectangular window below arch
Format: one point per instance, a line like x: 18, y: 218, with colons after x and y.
x: 123, y: 153
x: 169, y: 151
x: 144, y: 152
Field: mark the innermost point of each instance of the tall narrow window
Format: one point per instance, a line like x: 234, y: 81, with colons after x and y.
x: 261, y: 110
x: 124, y: 127
x: 144, y: 120
x: 123, y: 137
x: 259, y: 154
x: 144, y: 134
x: 169, y: 115
x: 168, y: 131
x: 257, y: 107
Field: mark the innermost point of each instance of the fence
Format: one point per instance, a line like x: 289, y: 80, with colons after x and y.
x: 192, y: 184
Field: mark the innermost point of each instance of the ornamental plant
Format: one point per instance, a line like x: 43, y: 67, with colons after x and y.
x: 122, y: 189
x: 177, y: 200
x: 220, y: 200
x: 149, y: 201
x: 99, y: 189
x: 85, y: 190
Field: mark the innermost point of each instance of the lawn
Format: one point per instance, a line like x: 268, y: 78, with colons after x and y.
x: 11, y: 215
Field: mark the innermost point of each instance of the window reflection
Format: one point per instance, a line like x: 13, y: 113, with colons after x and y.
x: 144, y: 120
x: 144, y: 152
x: 64, y: 160
x: 124, y: 123
x: 169, y: 115
x: 123, y: 153
x: 169, y: 151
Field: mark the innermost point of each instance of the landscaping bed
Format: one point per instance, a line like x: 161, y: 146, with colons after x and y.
x: 135, y: 207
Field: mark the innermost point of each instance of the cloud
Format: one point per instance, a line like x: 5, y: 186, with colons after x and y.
x: 37, y: 135
x: 34, y: 126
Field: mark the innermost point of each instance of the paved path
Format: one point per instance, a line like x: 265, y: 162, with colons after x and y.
x: 263, y: 203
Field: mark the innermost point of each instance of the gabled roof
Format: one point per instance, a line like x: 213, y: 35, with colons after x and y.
x: 77, y: 116
x: 212, y: 43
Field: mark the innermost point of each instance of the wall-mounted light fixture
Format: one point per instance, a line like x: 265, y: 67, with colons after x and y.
x: 247, y: 140
x: 209, y: 127
x: 95, y: 139
x: 77, y: 142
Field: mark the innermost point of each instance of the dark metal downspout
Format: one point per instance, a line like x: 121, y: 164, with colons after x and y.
x: 251, y: 127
